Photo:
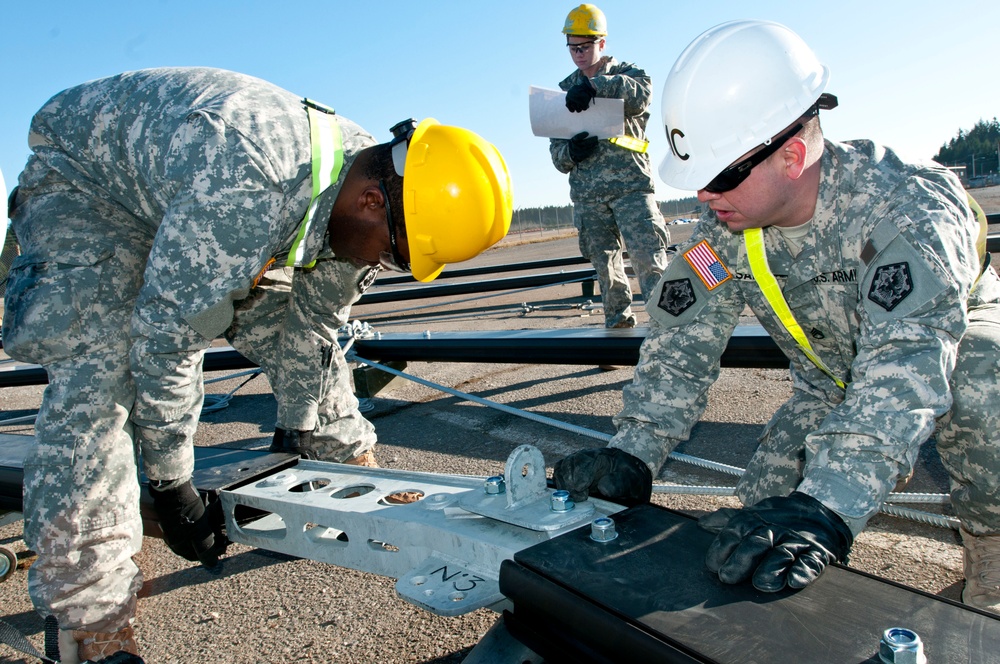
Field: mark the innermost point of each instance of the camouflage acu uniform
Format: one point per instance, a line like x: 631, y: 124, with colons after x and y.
x: 151, y: 204
x: 612, y: 193
x: 892, y: 293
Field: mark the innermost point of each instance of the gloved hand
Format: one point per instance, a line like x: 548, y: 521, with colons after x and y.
x: 187, y: 526
x: 787, y: 540
x: 582, y: 146
x: 293, y: 441
x: 578, y: 97
x: 715, y: 521
x: 607, y: 472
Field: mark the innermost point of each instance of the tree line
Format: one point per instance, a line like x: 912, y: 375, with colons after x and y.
x: 977, y: 149
x: 561, y: 216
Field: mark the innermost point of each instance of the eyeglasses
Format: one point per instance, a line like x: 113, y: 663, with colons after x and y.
x: 582, y: 47
x: 394, y: 260
x: 734, y: 175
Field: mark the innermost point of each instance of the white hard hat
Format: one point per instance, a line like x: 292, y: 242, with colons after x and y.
x: 733, y: 88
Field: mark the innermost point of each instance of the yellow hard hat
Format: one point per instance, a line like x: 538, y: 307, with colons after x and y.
x: 456, y: 197
x: 586, y: 21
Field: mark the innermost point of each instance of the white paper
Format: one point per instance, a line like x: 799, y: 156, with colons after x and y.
x: 550, y: 118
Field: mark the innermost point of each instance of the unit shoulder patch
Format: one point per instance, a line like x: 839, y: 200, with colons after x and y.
x: 677, y: 296
x: 707, y: 265
x: 890, y: 285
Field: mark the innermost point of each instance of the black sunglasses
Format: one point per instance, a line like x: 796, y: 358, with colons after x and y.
x: 734, y: 175
x: 582, y: 47
x: 393, y: 261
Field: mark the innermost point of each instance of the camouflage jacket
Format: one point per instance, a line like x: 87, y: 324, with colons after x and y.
x: 891, y: 256
x: 218, y: 166
x: 612, y: 171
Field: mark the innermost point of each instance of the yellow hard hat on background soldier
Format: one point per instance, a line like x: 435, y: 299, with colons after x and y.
x: 457, y: 199
x: 586, y: 21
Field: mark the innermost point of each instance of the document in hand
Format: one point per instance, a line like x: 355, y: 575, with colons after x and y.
x: 550, y: 118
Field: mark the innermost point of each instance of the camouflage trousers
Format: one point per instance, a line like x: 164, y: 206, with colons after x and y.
x: 967, y: 437
x: 70, y: 301
x: 635, y: 220
x: 294, y: 340
x: 68, y: 307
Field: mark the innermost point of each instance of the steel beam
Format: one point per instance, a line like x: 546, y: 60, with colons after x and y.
x: 749, y: 347
x: 646, y: 596
x: 489, y: 269
x: 467, y: 287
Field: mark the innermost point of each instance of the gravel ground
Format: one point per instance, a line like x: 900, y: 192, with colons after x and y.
x: 268, y: 607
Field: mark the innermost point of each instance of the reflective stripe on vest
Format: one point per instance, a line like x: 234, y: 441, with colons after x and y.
x: 630, y: 143
x: 753, y: 238
x: 327, y: 145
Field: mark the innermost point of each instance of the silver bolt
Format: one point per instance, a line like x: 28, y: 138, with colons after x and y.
x: 901, y: 646
x: 602, y: 529
x: 560, y: 502
x: 495, y: 485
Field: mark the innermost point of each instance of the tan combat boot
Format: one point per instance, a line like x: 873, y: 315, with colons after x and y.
x: 982, y: 571
x: 79, y: 645
x: 367, y: 459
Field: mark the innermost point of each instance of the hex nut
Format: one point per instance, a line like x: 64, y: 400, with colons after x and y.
x: 602, y: 529
x: 901, y: 646
x: 559, y: 501
x: 495, y: 485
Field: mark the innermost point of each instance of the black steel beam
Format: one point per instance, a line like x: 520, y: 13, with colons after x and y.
x: 750, y: 347
x: 489, y: 269
x: 467, y: 287
x: 646, y: 596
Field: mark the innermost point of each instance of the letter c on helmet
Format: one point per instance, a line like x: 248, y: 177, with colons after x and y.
x: 672, y: 134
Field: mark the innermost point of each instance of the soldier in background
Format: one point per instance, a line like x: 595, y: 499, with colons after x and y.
x: 159, y: 210
x: 868, y: 271
x: 611, y: 182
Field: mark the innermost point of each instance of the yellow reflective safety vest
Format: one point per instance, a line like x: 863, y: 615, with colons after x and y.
x: 327, y: 146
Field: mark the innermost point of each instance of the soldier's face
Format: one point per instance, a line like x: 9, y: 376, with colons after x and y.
x: 755, y: 203
x: 585, y: 50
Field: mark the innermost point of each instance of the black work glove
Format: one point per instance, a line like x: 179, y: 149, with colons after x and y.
x: 120, y: 657
x: 187, y: 526
x: 579, y: 96
x: 582, y: 146
x: 787, y: 540
x: 607, y: 473
x: 293, y: 441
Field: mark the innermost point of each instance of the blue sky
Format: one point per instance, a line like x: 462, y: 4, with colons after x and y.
x: 909, y: 74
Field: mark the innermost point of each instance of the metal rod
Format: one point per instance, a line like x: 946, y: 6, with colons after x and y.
x: 894, y: 510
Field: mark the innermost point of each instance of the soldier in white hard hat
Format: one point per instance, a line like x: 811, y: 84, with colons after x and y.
x: 870, y: 273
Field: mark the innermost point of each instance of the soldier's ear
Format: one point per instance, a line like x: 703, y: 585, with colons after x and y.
x: 793, y: 155
x: 371, y: 198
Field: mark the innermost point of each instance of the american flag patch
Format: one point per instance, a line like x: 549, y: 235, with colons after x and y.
x: 706, y: 264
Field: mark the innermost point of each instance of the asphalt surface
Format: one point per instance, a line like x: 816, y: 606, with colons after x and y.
x: 268, y: 607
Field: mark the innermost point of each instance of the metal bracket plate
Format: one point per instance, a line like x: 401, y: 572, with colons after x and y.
x: 527, y: 499
x: 446, y: 557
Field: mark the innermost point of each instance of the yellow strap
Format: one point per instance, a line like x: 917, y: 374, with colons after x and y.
x: 753, y: 238
x: 630, y: 143
x: 980, y: 216
x: 327, y: 160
